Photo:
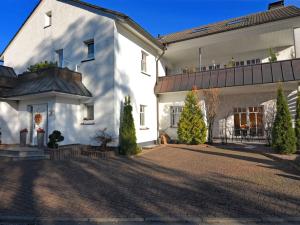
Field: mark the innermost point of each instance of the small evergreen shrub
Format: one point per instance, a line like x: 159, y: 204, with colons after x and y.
x: 272, y: 56
x: 191, y: 127
x: 54, y: 138
x: 41, y: 65
x: 283, y: 135
x: 128, y: 145
x: 297, y: 121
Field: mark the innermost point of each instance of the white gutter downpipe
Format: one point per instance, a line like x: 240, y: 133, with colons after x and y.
x: 157, y: 105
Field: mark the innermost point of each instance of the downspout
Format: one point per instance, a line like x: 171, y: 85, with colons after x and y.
x: 157, y: 105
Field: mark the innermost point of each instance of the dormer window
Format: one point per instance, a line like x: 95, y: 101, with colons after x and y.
x: 48, y: 19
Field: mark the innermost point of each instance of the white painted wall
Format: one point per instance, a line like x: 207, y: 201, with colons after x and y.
x: 9, y: 124
x: 282, y: 53
x: 129, y: 80
x: 297, y: 41
x: 248, y: 96
x: 71, y: 26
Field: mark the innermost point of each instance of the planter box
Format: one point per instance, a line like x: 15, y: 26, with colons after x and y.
x: 40, y: 139
x: 23, y: 139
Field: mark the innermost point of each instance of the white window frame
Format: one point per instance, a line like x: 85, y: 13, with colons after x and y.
x: 60, y: 58
x: 175, y: 112
x: 144, y: 62
x: 90, y: 54
x: 87, y: 107
x: 143, y: 116
x: 48, y: 19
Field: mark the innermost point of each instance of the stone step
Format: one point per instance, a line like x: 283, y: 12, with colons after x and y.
x: 20, y: 153
x: 150, y: 146
x: 18, y: 158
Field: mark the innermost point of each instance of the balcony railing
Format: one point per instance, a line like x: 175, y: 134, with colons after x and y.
x: 281, y: 71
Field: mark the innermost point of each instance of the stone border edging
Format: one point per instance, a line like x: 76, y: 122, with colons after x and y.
x: 28, y: 219
x: 275, y: 157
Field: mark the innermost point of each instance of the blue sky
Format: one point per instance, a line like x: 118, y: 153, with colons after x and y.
x: 156, y: 16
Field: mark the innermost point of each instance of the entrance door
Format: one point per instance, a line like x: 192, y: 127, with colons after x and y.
x: 39, y: 121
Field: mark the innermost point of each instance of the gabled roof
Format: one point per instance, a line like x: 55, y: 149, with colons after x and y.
x: 120, y: 15
x: 272, y: 15
x: 48, y: 80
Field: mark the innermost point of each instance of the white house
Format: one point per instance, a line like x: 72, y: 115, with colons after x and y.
x: 104, y: 56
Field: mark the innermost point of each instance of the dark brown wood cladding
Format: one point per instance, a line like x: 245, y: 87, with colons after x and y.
x: 281, y: 71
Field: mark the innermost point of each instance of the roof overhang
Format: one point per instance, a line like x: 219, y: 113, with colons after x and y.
x: 49, y: 94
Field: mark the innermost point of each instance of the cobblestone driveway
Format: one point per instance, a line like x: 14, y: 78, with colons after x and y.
x: 174, y: 180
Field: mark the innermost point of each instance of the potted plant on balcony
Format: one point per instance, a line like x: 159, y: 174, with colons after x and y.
x: 23, y: 137
x: 40, y: 137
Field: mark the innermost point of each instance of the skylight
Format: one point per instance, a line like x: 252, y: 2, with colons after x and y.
x: 237, y: 21
x: 201, y: 29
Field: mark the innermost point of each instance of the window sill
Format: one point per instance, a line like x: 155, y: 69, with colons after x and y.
x: 144, y: 128
x: 45, y: 27
x: 147, y: 74
x: 87, y: 60
x: 88, y: 122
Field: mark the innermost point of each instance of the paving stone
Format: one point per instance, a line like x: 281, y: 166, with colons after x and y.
x: 174, y: 181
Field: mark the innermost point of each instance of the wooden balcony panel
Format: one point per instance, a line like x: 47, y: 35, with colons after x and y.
x: 276, y: 72
x: 214, y: 79
x: 191, y: 82
x: 222, y: 78
x: 164, y: 85
x: 157, y: 88
x: 267, y: 73
x: 282, y: 71
x: 239, y: 77
x: 296, y: 68
x: 257, y: 76
x: 177, y: 84
x: 206, y: 80
x: 287, y: 71
x: 184, y: 83
x: 171, y: 84
x: 229, y: 77
x: 198, y: 80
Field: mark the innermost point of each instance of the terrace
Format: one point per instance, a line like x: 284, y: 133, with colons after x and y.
x: 264, y: 73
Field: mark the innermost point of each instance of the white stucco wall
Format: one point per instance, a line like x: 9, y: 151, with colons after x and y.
x: 129, y: 80
x: 9, y: 124
x: 249, y: 96
x: 297, y: 41
x: 71, y: 26
x: 282, y: 53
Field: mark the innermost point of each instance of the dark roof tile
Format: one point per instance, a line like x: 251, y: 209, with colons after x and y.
x: 272, y: 15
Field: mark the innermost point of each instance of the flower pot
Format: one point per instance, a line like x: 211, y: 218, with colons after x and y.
x: 40, y: 139
x: 23, y: 139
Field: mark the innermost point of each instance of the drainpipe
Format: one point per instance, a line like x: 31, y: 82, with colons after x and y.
x: 157, y: 105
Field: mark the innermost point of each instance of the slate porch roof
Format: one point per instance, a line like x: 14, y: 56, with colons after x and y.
x: 47, y: 80
x: 272, y: 15
x: 281, y: 71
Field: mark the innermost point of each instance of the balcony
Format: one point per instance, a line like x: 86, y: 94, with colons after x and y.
x: 281, y: 71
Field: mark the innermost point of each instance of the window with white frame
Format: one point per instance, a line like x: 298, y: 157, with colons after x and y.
x: 60, y: 58
x: 48, y: 19
x: 90, y: 49
x: 144, y: 62
x: 142, y: 115
x: 175, y: 115
x: 88, y: 112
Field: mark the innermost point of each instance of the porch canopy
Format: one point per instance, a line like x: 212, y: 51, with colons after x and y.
x: 266, y: 73
x: 51, y: 80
